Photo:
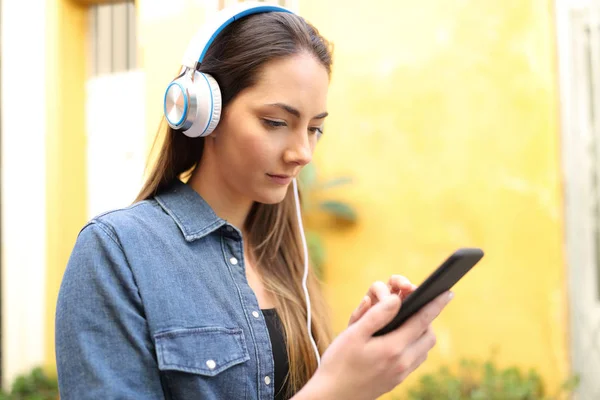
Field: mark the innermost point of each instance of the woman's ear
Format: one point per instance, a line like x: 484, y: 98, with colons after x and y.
x: 214, y: 135
x: 216, y: 132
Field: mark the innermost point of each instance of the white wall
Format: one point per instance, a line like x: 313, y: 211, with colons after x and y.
x: 577, y: 136
x: 23, y: 185
x: 116, y: 146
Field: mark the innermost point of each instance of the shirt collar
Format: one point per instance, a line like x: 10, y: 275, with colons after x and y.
x: 192, y: 214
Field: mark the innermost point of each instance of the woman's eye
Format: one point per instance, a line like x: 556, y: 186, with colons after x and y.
x: 273, y: 124
x: 316, y: 130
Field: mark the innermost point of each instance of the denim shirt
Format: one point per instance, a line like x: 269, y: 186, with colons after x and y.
x: 154, y: 304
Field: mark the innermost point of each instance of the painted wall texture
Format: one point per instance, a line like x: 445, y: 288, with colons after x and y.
x: 445, y: 114
x: 66, y: 147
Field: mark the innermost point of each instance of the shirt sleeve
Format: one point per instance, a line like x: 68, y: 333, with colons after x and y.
x: 103, y: 345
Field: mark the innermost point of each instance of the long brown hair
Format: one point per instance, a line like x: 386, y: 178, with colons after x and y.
x: 235, y: 59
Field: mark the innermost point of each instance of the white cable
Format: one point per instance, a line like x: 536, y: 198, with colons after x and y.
x: 305, y: 278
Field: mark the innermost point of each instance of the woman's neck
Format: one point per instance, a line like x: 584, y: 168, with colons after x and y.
x: 224, y: 201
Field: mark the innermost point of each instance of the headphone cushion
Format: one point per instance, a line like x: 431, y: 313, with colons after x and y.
x: 208, y: 105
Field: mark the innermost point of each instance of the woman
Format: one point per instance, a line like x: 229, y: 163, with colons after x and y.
x: 195, y: 291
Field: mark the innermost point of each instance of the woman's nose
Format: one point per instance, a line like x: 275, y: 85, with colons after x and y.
x: 299, y: 151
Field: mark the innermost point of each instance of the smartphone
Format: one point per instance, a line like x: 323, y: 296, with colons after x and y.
x: 441, y: 280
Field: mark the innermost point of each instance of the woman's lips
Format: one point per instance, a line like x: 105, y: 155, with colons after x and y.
x: 280, y: 179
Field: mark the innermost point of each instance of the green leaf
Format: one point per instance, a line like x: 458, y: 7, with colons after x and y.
x: 571, y: 384
x: 482, y: 381
x: 339, y: 209
x: 307, y: 176
x: 344, y: 180
x: 34, y: 386
x: 316, y: 251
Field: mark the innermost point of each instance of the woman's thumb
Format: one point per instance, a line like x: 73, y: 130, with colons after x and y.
x: 379, y: 315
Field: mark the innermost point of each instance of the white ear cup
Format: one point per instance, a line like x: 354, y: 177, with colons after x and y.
x: 194, y: 107
x: 192, y: 102
x: 208, y: 105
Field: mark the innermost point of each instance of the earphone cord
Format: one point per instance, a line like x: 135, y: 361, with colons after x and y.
x: 305, y: 278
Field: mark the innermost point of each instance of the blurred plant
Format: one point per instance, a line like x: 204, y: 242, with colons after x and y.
x: 479, y: 381
x: 34, y: 386
x: 313, y: 202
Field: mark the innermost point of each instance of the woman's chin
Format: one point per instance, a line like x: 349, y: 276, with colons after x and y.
x: 272, y: 196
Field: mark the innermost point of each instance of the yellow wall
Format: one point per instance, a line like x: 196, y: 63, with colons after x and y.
x: 65, y: 163
x: 445, y: 114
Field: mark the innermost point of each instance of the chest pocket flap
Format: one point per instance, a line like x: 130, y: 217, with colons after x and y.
x: 205, y: 351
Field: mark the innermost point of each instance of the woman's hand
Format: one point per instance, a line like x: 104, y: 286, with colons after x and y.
x: 362, y: 367
x: 397, y: 284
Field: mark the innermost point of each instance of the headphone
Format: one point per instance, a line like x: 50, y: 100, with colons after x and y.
x: 192, y: 104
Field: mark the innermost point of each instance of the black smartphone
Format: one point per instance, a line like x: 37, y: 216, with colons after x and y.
x: 441, y: 280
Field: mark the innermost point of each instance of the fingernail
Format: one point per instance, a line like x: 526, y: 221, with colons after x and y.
x: 363, y: 302
x: 450, y: 296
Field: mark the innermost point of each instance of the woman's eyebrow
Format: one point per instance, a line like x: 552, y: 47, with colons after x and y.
x: 295, y: 112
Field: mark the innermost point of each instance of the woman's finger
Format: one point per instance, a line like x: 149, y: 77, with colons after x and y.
x: 378, y: 291
x: 399, y: 284
x: 362, y: 308
x: 411, y: 330
x: 415, y: 354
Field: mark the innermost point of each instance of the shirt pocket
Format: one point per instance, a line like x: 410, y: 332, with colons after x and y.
x: 206, y: 362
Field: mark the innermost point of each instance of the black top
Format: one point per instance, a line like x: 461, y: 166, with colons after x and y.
x: 280, y: 356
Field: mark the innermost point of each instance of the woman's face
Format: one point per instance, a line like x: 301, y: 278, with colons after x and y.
x: 270, y: 130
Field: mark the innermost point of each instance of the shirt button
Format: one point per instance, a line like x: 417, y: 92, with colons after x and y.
x: 229, y: 229
x: 267, y: 380
x: 233, y: 260
x: 211, y: 364
x: 255, y: 313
